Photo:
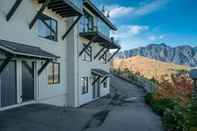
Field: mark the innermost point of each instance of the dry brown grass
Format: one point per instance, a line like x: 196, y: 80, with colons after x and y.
x: 147, y: 67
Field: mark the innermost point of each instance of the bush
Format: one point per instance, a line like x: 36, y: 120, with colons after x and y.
x: 176, y: 120
x: 159, y: 105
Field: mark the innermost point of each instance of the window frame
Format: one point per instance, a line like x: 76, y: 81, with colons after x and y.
x: 85, y: 88
x: 40, y: 18
x: 105, y: 83
x: 53, y: 74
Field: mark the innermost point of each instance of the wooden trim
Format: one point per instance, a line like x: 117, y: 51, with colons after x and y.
x: 90, y: 42
x: 98, y: 77
x: 71, y: 27
x: 43, y: 67
x: 5, y: 63
x: 13, y: 9
x: 101, y: 50
x: 38, y: 13
x: 104, y: 53
x: 113, y: 55
x: 105, y: 78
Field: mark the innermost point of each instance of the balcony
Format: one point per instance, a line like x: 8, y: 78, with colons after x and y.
x: 102, y: 36
x: 64, y: 8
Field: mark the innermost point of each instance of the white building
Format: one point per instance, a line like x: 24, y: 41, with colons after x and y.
x: 54, y: 52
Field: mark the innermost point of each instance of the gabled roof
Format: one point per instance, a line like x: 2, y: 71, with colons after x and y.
x: 89, y: 5
x: 25, y: 50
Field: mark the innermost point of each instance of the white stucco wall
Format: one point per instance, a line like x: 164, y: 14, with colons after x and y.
x: 85, y: 71
x: 17, y: 30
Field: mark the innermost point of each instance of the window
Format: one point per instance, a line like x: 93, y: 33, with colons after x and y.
x: 54, y: 73
x: 87, y: 54
x: 105, y: 84
x: 47, y: 27
x: 84, y: 85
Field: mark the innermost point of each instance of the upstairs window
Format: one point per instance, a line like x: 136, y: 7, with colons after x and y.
x: 87, y: 54
x: 54, y: 73
x: 47, y: 27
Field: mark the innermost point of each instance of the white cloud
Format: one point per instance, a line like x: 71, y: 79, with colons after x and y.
x: 144, y: 8
x: 136, y: 29
x: 128, y: 31
x: 154, y: 37
x: 151, y: 7
x: 119, y: 11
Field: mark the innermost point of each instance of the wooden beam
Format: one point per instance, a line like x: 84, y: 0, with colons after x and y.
x: 43, y: 67
x: 5, y: 63
x: 38, y: 13
x: 98, y: 77
x: 113, y: 55
x: 101, y: 50
x: 104, y: 79
x: 71, y: 27
x: 90, y: 42
x: 104, y: 54
x: 13, y: 9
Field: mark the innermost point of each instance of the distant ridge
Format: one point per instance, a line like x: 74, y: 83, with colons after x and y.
x: 182, y: 55
x: 147, y: 67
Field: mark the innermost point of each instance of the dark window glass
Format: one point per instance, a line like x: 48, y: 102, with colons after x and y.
x: 47, y: 27
x: 84, y: 85
x: 54, y: 73
x: 105, y: 84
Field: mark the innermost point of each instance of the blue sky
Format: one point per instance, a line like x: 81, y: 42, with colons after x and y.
x: 141, y: 22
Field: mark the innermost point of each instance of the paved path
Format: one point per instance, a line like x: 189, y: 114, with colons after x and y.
x: 105, y: 114
x: 134, y: 116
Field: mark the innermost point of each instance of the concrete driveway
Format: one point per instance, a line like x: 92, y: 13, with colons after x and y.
x: 123, y: 110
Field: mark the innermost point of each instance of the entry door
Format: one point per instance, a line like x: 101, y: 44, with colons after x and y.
x: 27, y: 81
x: 8, y: 88
x: 96, y: 89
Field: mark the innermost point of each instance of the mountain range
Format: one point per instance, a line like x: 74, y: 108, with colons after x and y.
x: 182, y: 55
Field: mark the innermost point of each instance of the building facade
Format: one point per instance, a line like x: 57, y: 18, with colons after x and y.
x: 53, y: 52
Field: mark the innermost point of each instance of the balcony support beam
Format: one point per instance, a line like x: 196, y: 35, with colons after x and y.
x: 113, y: 55
x: 86, y: 47
x: 13, y: 9
x: 104, y: 53
x: 45, y: 4
x: 101, y: 50
x: 71, y: 27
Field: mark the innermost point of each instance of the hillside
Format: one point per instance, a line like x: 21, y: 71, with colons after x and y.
x: 182, y: 55
x: 147, y: 67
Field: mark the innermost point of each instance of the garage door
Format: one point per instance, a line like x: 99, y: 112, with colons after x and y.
x: 8, y: 88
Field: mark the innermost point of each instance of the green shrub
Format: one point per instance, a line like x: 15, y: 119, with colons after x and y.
x: 159, y: 106
x: 176, y: 119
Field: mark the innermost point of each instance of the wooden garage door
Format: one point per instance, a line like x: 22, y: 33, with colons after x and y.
x: 8, y: 88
